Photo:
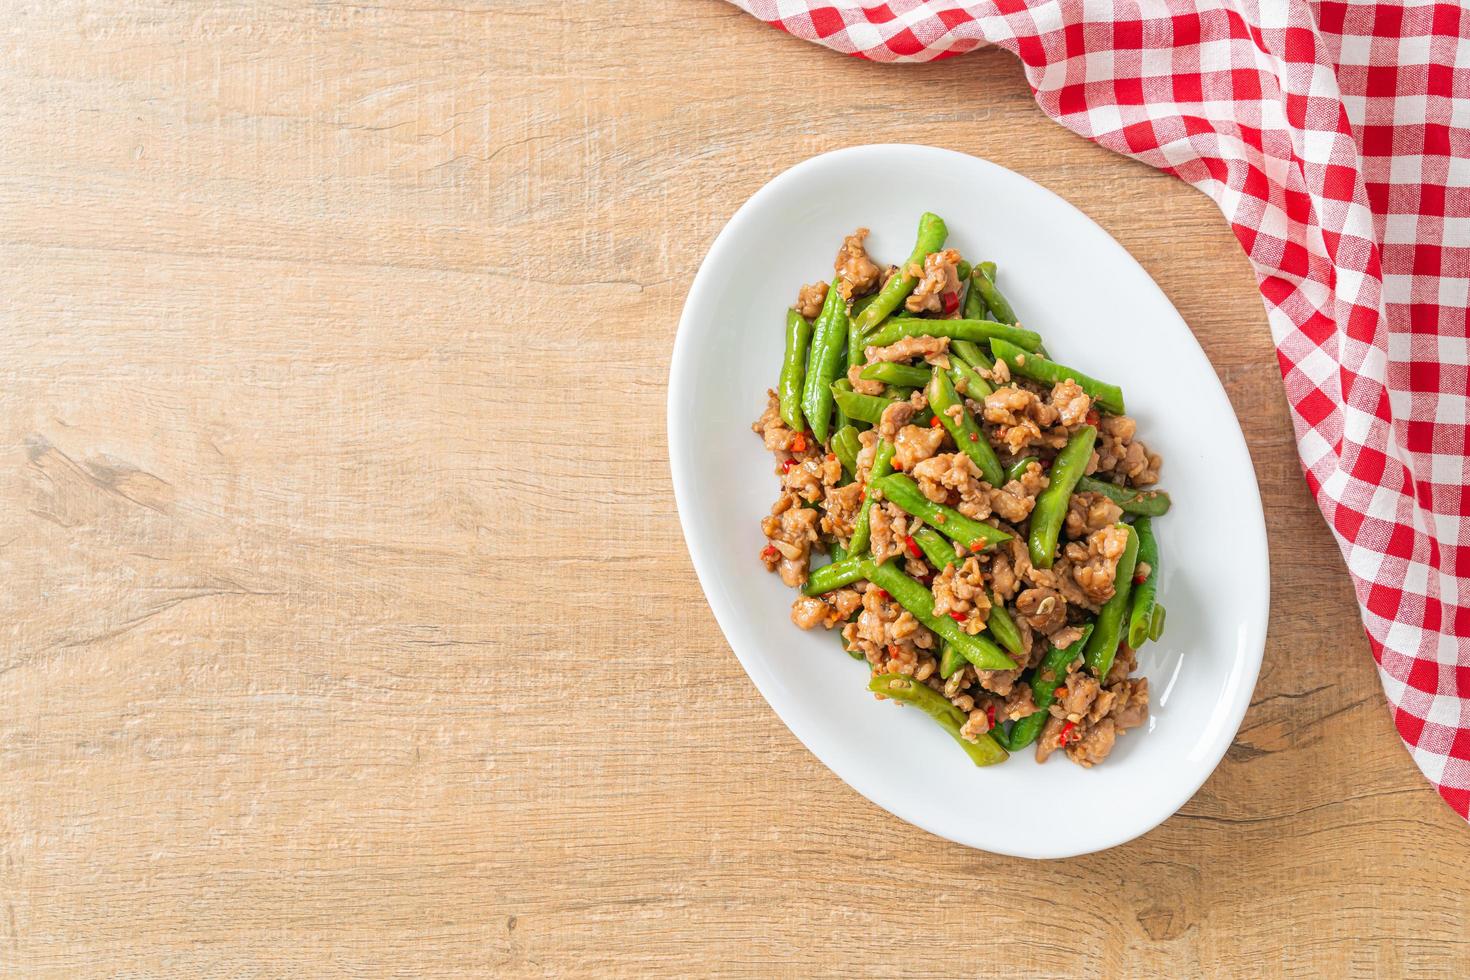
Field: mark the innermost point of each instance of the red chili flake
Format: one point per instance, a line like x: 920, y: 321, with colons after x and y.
x: 990, y: 714
x: 798, y: 445
x: 883, y: 594
x: 913, y: 546
x: 898, y: 465
x: 957, y: 616
x: 1062, y: 735
x: 831, y: 456
x: 1060, y: 692
x: 769, y: 551
x: 974, y: 437
x: 787, y: 464
x: 951, y: 302
x: 1140, y: 577
x: 1092, y: 417
x: 978, y: 546
x: 934, y: 422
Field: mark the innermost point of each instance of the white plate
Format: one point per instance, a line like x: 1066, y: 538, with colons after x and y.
x: 1100, y: 312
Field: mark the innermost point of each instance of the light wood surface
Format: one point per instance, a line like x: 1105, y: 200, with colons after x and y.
x: 346, y: 626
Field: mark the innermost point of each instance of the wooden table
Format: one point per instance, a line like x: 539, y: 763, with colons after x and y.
x: 347, y: 625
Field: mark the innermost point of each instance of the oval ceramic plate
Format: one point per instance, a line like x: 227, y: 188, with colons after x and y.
x: 1100, y: 312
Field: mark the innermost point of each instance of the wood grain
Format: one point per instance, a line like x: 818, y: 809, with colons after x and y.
x: 318, y: 654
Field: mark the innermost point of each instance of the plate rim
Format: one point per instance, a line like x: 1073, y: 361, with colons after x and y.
x: 679, y: 391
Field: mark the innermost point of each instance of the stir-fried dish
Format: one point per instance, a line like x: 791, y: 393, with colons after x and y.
x: 988, y: 511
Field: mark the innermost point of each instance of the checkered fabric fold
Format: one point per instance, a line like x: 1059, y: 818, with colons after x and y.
x: 1335, y: 138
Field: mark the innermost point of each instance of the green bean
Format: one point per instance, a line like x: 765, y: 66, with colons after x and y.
x: 896, y: 330
x: 930, y: 238
x: 1145, y: 593
x: 963, y: 430
x: 962, y: 270
x: 824, y: 363
x: 858, y: 305
x: 854, y: 346
x: 919, y: 601
x: 947, y: 521
x: 1045, y: 680
x: 992, y: 295
x: 835, y: 575
x: 793, y: 369
x: 1051, y: 504
x: 1145, y: 503
x: 937, y: 548
x: 949, y: 661
x: 1019, y: 467
x: 983, y: 752
x: 839, y: 417
x: 1156, y: 628
x: 971, y: 353
x: 866, y: 408
x: 1103, y: 644
x: 966, y: 382
x: 1003, y: 627
x: 974, y: 308
x: 838, y: 552
x: 1038, y: 368
x: 845, y: 445
x: 896, y: 374
x: 882, y: 466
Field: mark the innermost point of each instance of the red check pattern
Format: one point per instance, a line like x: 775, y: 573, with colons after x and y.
x: 1335, y: 137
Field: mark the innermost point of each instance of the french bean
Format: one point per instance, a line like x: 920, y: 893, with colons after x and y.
x: 793, y: 369
x: 949, y: 522
x: 1038, y: 368
x: 1019, y: 467
x: 896, y: 329
x: 963, y: 429
x: 1045, y: 680
x: 966, y: 382
x: 937, y: 548
x: 858, y: 305
x: 974, y: 307
x: 854, y: 345
x: 835, y: 575
x: 1156, y: 627
x: 1102, y: 646
x: 1145, y: 593
x: 1051, y: 504
x: 845, y: 445
x: 919, y: 601
x: 949, y: 661
x: 882, y: 466
x: 1003, y: 627
x: 866, y: 408
x: 992, y: 295
x: 962, y: 426
x: 962, y: 270
x: 1144, y: 503
x: 985, y: 751
x: 930, y: 238
x: 824, y: 363
x: 971, y: 353
x: 896, y: 374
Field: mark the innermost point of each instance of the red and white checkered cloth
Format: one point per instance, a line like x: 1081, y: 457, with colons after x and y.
x: 1335, y: 137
